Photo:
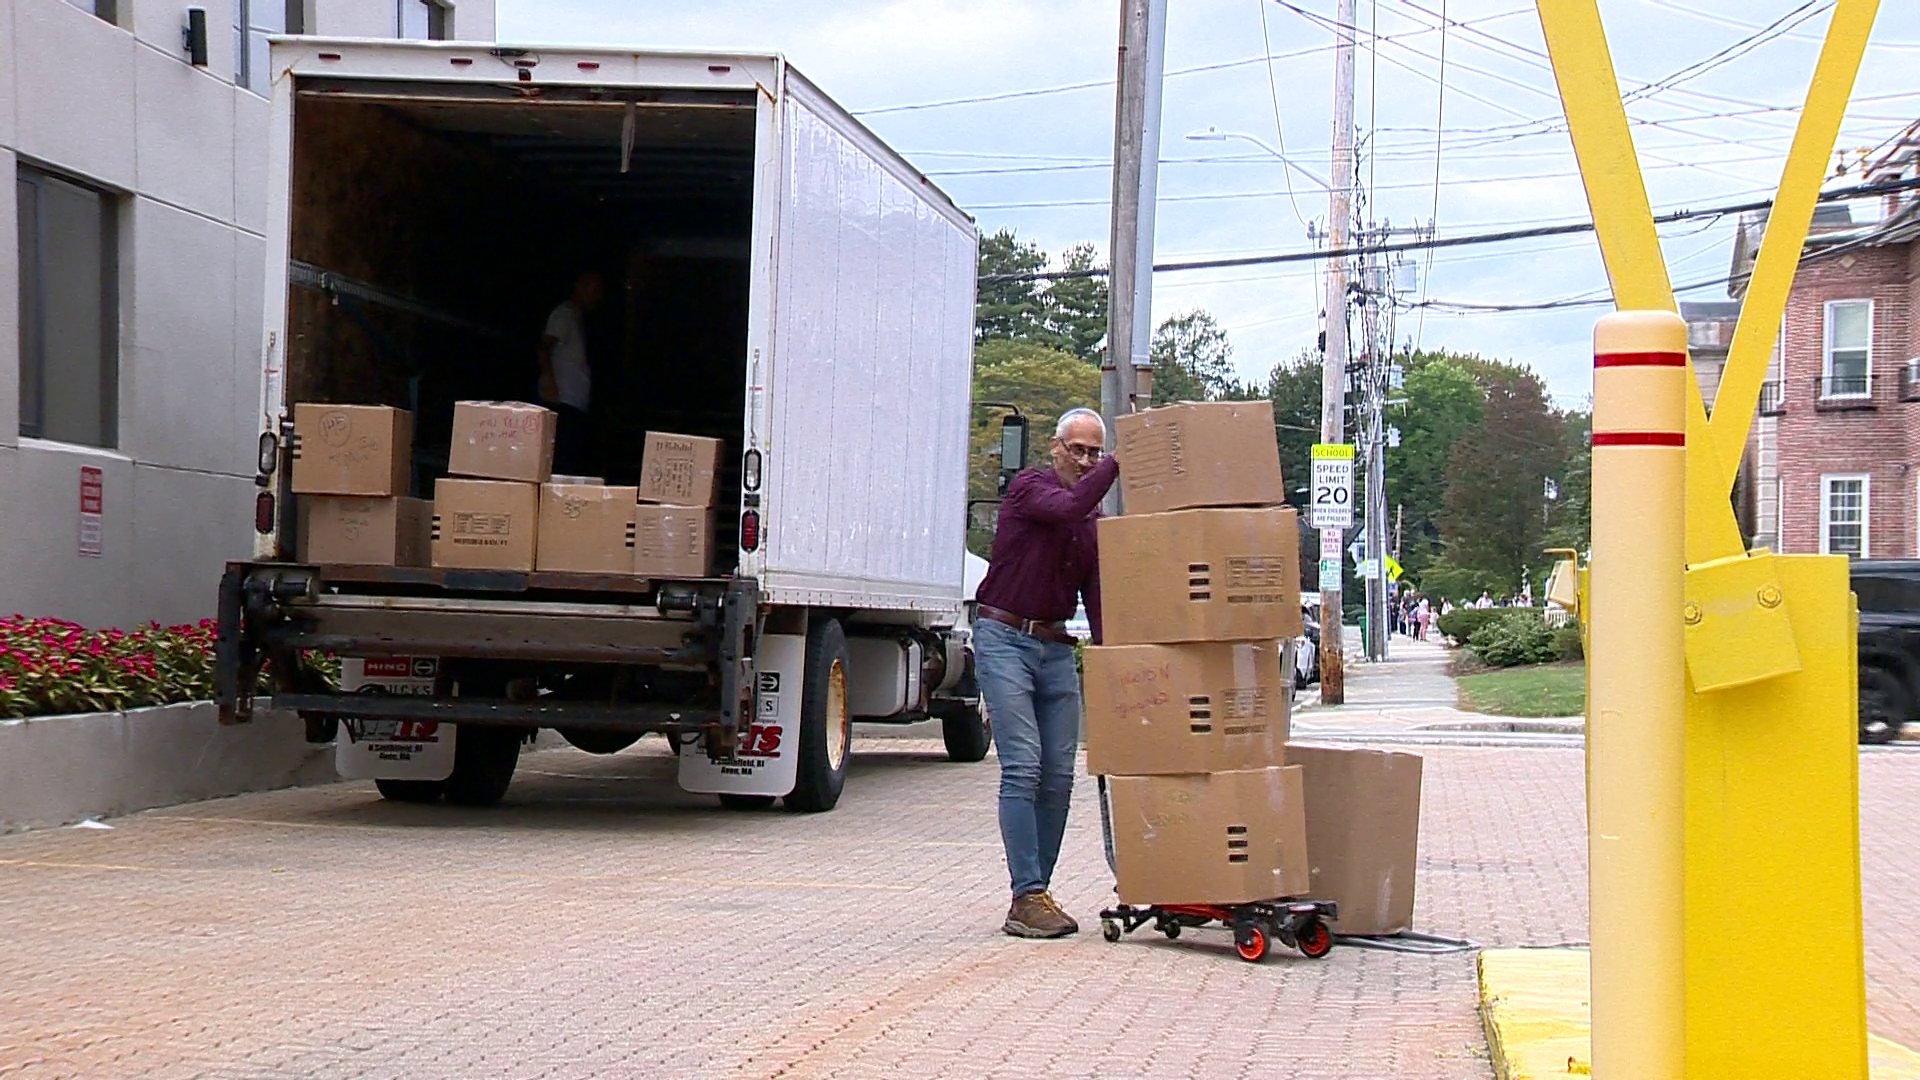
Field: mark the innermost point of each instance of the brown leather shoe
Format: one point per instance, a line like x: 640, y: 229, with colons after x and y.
x: 1036, y: 915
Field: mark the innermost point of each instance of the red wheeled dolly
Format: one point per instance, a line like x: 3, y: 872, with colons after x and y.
x: 1301, y: 924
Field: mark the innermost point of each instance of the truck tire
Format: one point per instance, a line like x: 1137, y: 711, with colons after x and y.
x: 410, y: 791
x: 1884, y: 706
x: 599, y: 742
x: 484, y: 758
x: 826, y: 722
x: 967, y: 733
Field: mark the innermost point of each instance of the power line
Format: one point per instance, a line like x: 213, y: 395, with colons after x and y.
x: 1836, y: 195
x: 1096, y: 83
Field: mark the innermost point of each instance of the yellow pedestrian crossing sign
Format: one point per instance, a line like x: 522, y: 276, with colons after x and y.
x: 1394, y: 569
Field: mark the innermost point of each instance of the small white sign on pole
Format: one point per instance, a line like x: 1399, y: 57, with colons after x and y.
x: 1331, y: 505
x: 1329, y: 574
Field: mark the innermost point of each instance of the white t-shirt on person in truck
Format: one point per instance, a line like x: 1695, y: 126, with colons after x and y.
x: 573, y: 382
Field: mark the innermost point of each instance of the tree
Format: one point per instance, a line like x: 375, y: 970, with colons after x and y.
x: 1443, y: 403
x: 1011, y: 310
x: 1077, y: 307
x: 1044, y: 382
x: 1193, y: 360
x: 1493, y: 514
x: 1294, y: 389
x: 1570, y: 507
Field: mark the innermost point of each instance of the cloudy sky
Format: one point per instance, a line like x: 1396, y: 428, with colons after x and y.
x: 1009, y: 105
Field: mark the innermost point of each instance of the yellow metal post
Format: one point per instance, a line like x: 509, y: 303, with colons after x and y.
x: 1637, y: 696
x: 1774, y: 978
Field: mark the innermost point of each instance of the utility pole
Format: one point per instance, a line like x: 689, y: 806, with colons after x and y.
x: 1126, y: 372
x: 1378, y: 287
x: 1333, y: 375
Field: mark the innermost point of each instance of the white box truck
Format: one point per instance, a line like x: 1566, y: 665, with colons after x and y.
x: 778, y: 279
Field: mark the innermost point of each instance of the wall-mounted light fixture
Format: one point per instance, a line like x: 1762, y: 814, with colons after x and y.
x: 194, y: 36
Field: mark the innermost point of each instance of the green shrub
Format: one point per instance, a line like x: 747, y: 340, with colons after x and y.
x: 1514, y: 637
x: 1567, y: 645
x: 1460, y: 623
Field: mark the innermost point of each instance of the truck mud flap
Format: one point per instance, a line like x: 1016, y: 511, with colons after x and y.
x: 767, y: 762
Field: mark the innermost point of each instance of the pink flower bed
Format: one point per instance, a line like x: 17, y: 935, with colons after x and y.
x: 49, y: 666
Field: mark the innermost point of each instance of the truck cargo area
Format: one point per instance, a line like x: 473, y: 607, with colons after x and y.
x: 434, y: 227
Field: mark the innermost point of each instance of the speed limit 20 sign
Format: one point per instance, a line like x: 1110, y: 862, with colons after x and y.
x: 1332, y: 506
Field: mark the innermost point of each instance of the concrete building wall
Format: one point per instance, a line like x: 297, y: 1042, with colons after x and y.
x: 1876, y: 438
x: 182, y: 152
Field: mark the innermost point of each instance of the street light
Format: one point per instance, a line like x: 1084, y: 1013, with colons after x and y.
x: 1213, y: 134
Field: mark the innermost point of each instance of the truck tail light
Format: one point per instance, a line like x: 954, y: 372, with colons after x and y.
x: 750, y: 531
x: 269, y: 453
x: 263, y: 513
x: 750, y: 471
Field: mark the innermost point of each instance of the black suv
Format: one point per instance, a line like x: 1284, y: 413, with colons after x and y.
x: 1889, y: 594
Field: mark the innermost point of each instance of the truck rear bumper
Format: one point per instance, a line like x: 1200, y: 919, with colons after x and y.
x: 572, y: 715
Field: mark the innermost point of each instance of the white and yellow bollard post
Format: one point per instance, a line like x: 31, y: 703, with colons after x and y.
x: 1637, y: 696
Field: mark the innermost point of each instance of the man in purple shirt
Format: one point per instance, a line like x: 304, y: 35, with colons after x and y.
x: 1045, y: 561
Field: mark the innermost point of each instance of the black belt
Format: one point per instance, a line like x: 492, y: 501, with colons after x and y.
x: 1054, y: 631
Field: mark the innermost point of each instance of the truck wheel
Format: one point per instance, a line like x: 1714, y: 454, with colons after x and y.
x: 826, y: 721
x: 967, y: 734
x: 599, y: 742
x: 1883, y: 706
x: 410, y: 791
x: 484, y: 758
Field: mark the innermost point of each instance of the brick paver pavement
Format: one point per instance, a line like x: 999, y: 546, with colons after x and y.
x: 604, y: 924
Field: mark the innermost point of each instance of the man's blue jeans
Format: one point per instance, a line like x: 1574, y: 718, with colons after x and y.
x: 1033, y: 700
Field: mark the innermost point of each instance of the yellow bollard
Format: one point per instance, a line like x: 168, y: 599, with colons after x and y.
x: 1636, y: 698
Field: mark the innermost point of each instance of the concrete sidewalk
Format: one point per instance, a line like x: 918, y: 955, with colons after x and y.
x: 1410, y: 692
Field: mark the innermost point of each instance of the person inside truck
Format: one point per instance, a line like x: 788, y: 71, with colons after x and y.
x: 566, y: 383
x: 1045, y: 564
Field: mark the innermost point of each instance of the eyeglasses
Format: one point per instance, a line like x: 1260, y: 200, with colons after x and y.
x: 1080, y: 452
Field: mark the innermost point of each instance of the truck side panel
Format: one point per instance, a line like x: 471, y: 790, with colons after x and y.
x: 871, y: 380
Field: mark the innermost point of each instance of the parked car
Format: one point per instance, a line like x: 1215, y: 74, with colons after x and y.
x: 1306, y: 650
x: 1888, y: 591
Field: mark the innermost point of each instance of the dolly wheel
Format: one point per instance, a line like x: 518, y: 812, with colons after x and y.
x: 1171, y: 929
x: 1315, y: 939
x: 1251, y: 944
x: 1110, y: 930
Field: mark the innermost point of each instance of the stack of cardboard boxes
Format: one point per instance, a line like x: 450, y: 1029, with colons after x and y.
x: 352, y: 468
x: 673, y: 523
x: 1188, y: 700
x: 501, y: 507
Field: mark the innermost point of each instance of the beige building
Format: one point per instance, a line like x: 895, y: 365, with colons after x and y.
x: 130, y: 282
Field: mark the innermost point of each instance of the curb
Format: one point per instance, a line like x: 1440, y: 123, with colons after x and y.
x: 1534, y: 1006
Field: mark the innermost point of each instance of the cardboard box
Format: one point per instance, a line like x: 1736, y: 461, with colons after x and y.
x: 672, y: 541
x: 352, y: 450
x: 485, y: 524
x: 1363, y: 833
x: 502, y: 440
x: 1200, y: 575
x: 585, y: 529
x: 1158, y: 709
x: 1216, y: 838
x: 1218, y: 453
x: 680, y: 470
x: 347, y: 530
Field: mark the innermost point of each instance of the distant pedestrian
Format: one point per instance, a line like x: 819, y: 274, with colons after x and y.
x: 1422, y: 617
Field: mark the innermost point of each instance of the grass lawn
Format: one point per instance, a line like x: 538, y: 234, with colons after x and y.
x: 1539, y: 690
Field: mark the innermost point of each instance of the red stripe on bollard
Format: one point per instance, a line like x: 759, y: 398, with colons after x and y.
x: 1640, y: 359
x: 1639, y: 438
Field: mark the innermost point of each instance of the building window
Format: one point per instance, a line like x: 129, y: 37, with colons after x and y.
x: 253, y: 20
x: 1848, y: 369
x: 1843, y: 515
x: 69, y: 310
x: 423, y: 20
x: 102, y: 9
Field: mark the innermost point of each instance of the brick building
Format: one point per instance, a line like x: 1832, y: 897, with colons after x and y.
x: 1832, y: 464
